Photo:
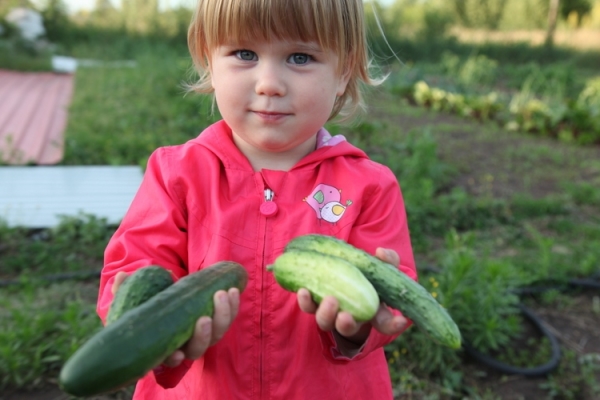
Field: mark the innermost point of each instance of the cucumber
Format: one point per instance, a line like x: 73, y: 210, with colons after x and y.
x: 327, y: 276
x: 395, y: 288
x: 143, y: 337
x: 137, y: 289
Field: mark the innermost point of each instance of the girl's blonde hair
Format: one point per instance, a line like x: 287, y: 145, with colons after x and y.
x: 336, y: 25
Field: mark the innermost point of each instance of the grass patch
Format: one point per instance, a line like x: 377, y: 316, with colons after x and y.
x: 40, y: 328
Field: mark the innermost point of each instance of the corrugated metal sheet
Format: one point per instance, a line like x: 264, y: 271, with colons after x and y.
x: 35, y: 197
x: 33, y: 116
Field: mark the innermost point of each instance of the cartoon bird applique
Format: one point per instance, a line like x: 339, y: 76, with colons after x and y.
x: 326, y: 201
x: 332, y: 211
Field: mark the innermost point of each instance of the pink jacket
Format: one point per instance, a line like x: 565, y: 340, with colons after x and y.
x: 200, y: 203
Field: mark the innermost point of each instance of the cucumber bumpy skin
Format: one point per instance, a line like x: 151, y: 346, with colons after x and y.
x: 138, y: 288
x: 324, y: 276
x: 143, y: 337
x: 395, y: 288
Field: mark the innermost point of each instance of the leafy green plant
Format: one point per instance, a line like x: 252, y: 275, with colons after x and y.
x: 584, y: 193
x: 477, y: 71
x: 482, y: 107
x: 76, y: 243
x: 576, y: 375
x: 39, y: 329
x: 20, y: 54
x: 476, y: 293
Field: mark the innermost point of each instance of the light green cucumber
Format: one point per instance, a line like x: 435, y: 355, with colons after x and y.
x: 327, y: 276
x: 395, y: 288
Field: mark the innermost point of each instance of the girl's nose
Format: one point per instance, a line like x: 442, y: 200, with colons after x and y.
x: 270, y: 80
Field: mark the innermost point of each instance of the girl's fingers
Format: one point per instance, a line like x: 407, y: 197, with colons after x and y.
x: 346, y: 325
x: 174, y: 359
x: 234, y: 301
x: 119, y: 278
x: 388, y: 323
x: 306, y: 302
x: 200, y: 340
x: 222, y: 316
x: 327, y: 312
x: 209, y: 331
x: 388, y: 255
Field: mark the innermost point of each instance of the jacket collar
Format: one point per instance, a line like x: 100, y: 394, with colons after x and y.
x: 218, y: 139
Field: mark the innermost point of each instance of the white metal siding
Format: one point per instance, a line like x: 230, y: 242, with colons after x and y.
x: 35, y: 197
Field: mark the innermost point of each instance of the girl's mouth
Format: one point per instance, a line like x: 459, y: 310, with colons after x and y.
x: 271, y: 116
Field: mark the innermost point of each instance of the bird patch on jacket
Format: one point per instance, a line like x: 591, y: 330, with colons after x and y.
x: 326, y: 200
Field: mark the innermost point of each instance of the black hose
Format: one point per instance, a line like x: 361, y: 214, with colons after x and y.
x: 588, y: 283
x: 539, y: 370
x: 593, y: 282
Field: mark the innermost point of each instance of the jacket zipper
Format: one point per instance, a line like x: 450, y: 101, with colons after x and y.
x: 268, y: 197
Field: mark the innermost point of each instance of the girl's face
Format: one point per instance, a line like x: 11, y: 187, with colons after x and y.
x: 275, y: 96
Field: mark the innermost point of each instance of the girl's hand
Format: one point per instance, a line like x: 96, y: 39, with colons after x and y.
x: 208, y: 330
x: 330, y: 318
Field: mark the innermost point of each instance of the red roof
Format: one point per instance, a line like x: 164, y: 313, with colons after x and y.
x: 33, y: 116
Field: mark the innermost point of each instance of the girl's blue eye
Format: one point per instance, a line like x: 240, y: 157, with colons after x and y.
x: 246, y: 55
x: 299, y: 58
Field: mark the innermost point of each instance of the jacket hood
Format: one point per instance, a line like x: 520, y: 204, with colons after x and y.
x: 218, y: 139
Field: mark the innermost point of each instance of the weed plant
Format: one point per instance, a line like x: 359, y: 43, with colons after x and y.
x: 40, y: 327
x: 75, y: 244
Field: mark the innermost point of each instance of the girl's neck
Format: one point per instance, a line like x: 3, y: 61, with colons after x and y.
x: 278, y: 161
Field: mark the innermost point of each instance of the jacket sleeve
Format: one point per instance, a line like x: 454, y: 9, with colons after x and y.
x: 153, y: 232
x: 382, y: 223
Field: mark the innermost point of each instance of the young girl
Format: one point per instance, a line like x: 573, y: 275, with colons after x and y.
x: 247, y: 185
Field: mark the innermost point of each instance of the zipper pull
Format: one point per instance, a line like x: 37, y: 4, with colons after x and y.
x: 268, y: 208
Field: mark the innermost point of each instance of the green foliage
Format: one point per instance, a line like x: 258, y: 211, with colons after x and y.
x: 7, y: 5
x: 476, y: 293
x: 480, y: 13
x: 584, y: 193
x: 120, y: 115
x: 580, y: 7
x: 484, y: 107
x: 77, y: 243
x: 23, y: 55
x: 475, y: 72
x: 39, y: 329
x: 56, y: 20
x: 551, y: 100
x: 576, y: 377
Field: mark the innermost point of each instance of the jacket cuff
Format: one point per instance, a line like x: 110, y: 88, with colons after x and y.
x: 169, y: 377
x: 338, y: 350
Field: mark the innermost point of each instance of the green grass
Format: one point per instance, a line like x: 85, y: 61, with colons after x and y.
x: 120, y: 115
x: 494, y: 210
x: 19, y: 56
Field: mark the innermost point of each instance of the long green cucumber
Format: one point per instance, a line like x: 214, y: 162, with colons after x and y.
x: 395, y: 289
x: 143, y: 337
x: 327, y: 276
x: 138, y: 288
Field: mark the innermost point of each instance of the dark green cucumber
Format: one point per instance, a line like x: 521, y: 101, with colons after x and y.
x: 137, y: 289
x: 395, y: 289
x: 143, y: 337
x: 327, y: 276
